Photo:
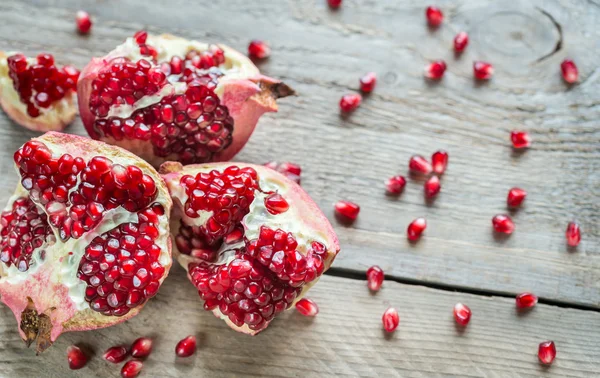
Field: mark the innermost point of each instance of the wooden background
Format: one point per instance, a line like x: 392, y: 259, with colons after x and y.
x: 322, y: 53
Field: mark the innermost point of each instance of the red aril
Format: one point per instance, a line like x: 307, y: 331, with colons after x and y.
x: 76, y: 358
x: 395, y: 184
x: 390, y: 319
x: 83, y: 21
x: 482, y: 70
x: 415, y: 229
x: 334, y: 3
x: 461, y: 41
x: 526, y: 300
x: 515, y: 197
x: 259, y: 49
x: 569, y: 71
x: 435, y: 70
x: 289, y: 170
x: 434, y: 16
x: 131, y: 369
x: 547, y: 352
x: 439, y: 162
x: 462, y: 314
x: 276, y: 204
x: 367, y: 82
x: 520, y: 139
x: 573, y: 234
x: 141, y: 347
x: 186, y: 347
x: 432, y: 187
x: 307, y: 307
x: 346, y: 209
x: 375, y: 278
x: 115, y: 354
x: 419, y: 164
x: 350, y: 102
x: 502, y: 223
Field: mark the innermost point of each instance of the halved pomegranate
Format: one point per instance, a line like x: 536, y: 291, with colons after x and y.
x: 37, y: 94
x: 168, y: 98
x: 85, y: 238
x: 248, y: 262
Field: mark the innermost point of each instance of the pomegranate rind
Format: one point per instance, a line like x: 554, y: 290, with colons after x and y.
x: 44, y: 291
x: 58, y: 116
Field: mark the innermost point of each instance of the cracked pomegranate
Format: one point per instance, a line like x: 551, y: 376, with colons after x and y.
x: 36, y: 93
x: 186, y: 347
x: 84, y: 239
x: 248, y: 263
x: 167, y: 98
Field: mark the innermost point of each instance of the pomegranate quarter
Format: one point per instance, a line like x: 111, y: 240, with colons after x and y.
x: 167, y: 98
x: 85, y: 238
x: 248, y: 263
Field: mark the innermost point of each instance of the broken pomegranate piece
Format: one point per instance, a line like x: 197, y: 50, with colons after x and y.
x: 36, y: 93
x: 84, y: 241
x: 167, y: 98
x: 248, y: 263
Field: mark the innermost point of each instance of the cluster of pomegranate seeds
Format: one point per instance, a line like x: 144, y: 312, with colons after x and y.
x: 131, y: 369
x: 347, y: 210
x: 526, y: 300
x: 350, y: 102
x: 462, y: 314
x: 374, y: 278
x: 390, y: 319
x: 307, y: 307
x: 141, y: 347
x: 289, y: 170
x: 520, y: 139
x: 259, y: 49
x: 547, y: 352
x: 83, y: 21
x: 416, y: 228
x: 334, y: 3
x: 76, y: 358
x: 569, y: 71
x: 461, y: 41
x: 503, y: 224
x: 432, y: 187
x: 482, y: 70
x: 395, y: 184
x: 116, y: 354
x: 439, y: 162
x: 434, y: 16
x: 419, y: 164
x: 515, y: 197
x: 186, y: 347
x: 368, y: 82
x: 573, y: 234
x: 41, y: 84
x: 435, y: 70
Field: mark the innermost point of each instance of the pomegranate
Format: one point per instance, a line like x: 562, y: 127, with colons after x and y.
x: 167, y: 98
x: 248, y: 263
x: 37, y: 94
x: 84, y: 239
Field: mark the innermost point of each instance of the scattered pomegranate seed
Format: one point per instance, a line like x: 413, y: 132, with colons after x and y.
x: 259, y: 49
x: 461, y: 41
x: 186, y: 347
x: 573, y: 234
x: 131, y: 369
x: 307, y: 307
x: 374, y: 278
x: 77, y: 359
x: 462, y: 314
x: 547, y: 352
x: 141, y: 347
x: 569, y: 71
x: 115, y: 354
x: 432, y: 187
x: 276, y: 204
x: 334, y: 3
x: 520, y: 139
x: 350, y: 102
x: 416, y: 228
x: 526, y: 300
x: 347, y: 209
x: 482, y: 70
x: 390, y: 319
x: 503, y: 224
x: 367, y: 82
x: 84, y: 22
x: 435, y: 70
x: 434, y: 16
x: 515, y: 197
x: 439, y: 162
x: 419, y: 164
x: 395, y: 184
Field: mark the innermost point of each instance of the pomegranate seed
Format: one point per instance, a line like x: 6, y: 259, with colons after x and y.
x: 516, y: 196
x: 419, y: 164
x: 390, y: 319
x: 434, y: 16
x: 347, y: 209
x: 374, y: 278
x: 115, y: 354
x: 435, y: 70
x: 186, y: 347
x: 276, y: 204
x: 141, y: 347
x: 416, y: 228
x: 289, y: 170
x: 547, y: 352
x: 140, y: 37
x: 350, y: 102
x: 395, y: 184
x: 307, y: 307
x: 482, y: 70
x: 461, y: 41
x: 84, y: 22
x: 334, y: 3
x: 439, y: 162
x: 573, y: 234
x: 77, y: 359
x: 569, y: 71
x: 259, y: 49
x: 432, y: 187
x: 367, y: 82
x: 520, y: 139
x: 503, y: 224
x: 131, y: 369
x: 462, y: 314
x: 526, y: 300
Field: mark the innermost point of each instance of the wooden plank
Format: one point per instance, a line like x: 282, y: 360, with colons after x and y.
x: 322, y: 53
x: 345, y: 339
